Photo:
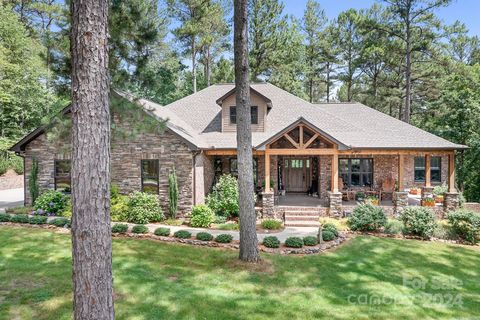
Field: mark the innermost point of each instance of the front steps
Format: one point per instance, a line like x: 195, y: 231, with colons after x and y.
x: 301, y: 216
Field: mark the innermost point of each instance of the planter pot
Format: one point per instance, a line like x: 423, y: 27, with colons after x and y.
x: 428, y: 204
x: 439, y: 199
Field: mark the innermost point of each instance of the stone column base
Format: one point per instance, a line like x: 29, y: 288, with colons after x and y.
x: 451, y: 201
x: 335, y: 203
x: 400, y: 201
x: 268, y: 205
x: 427, y: 192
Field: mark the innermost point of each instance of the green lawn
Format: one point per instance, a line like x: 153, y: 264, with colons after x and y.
x: 154, y: 280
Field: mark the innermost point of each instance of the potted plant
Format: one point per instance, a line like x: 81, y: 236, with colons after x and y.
x: 373, y: 200
x: 360, y: 196
x: 438, y: 193
x: 428, y: 202
x: 413, y: 191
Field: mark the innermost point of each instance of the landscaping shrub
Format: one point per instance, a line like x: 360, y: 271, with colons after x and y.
x: 119, y: 228
x: 50, y: 203
x: 4, y: 217
x: 366, y: 217
x: 60, y: 222
x: 310, y: 240
x: 37, y: 220
x: 173, y: 222
x: 118, y: 204
x: 271, y: 242
x: 271, y: 224
x: 393, y: 226
x: 444, y: 231
x: 140, y: 228
x: 465, y: 224
x: 418, y: 221
x: 162, y: 231
x: 294, y: 242
x: 229, y: 226
x: 440, y: 190
x: 143, y: 208
x: 223, y: 199
x: 202, y: 216
x: 19, y: 218
x: 19, y: 210
x: 204, y: 236
x: 328, y: 235
x: 330, y: 227
x: 220, y: 219
x: 182, y: 234
x: 224, y: 238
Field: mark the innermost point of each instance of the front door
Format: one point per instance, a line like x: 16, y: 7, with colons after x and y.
x: 297, y: 172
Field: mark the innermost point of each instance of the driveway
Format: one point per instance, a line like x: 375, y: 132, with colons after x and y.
x: 11, y: 198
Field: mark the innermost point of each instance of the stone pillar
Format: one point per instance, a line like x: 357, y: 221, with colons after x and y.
x: 451, y: 201
x: 400, y: 201
x: 268, y: 205
x: 199, y: 186
x: 335, y: 203
x: 427, y: 192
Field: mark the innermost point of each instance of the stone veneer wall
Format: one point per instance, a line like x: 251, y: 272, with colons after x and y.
x: 409, y: 171
x: 126, y: 155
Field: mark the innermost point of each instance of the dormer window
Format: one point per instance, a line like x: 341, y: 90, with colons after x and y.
x: 253, y: 114
x: 233, y: 115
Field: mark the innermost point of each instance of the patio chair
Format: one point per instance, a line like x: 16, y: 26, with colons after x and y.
x: 387, y: 188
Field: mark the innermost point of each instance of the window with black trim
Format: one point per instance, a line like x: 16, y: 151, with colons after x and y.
x: 253, y: 114
x: 62, y: 176
x: 234, y: 168
x: 233, y: 115
x: 435, y: 169
x: 217, y: 168
x: 150, y: 175
x: 356, y: 172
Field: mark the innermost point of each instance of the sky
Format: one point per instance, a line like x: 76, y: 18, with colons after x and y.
x: 467, y: 11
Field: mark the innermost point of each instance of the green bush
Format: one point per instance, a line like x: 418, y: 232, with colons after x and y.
x: 229, y: 226
x: 271, y: 242
x: 173, y: 222
x: 310, y: 240
x: 37, y: 220
x: 330, y: 227
x: 294, y: 242
x: 140, y: 228
x: 220, y: 219
x: 223, y: 199
x: 51, y: 203
x: 444, y: 231
x: 202, y: 216
x: 328, y: 235
x: 119, y: 228
x: 143, y: 208
x: 465, y: 224
x: 4, y: 217
x: 440, y: 190
x: 366, y: 217
x: 8, y: 159
x: 60, y: 222
x: 418, y: 221
x: 162, y: 231
x: 118, y: 204
x: 204, y: 236
x: 19, y: 210
x: 271, y: 224
x: 20, y: 218
x: 182, y: 234
x: 224, y: 238
x: 393, y: 226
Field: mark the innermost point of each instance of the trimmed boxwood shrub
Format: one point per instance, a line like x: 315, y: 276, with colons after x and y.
x: 60, y: 222
x: 202, y: 216
x: 204, y: 236
x: 139, y: 228
x: 182, y: 234
x: 310, y: 241
x: 143, y: 208
x: 271, y: 224
x: 4, y: 217
x: 271, y: 242
x: 418, y: 221
x: 366, y: 217
x: 51, y: 202
x: 162, y: 231
x: 119, y: 228
x: 330, y: 227
x: 294, y: 242
x: 465, y: 224
x: 20, y: 218
x: 224, y: 238
x: 393, y: 226
x: 328, y: 235
x: 37, y: 220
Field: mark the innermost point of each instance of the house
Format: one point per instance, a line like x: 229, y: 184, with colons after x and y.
x: 322, y: 149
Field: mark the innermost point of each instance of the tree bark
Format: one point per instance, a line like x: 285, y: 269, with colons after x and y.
x: 194, y: 65
x: 91, y: 234
x: 248, y: 233
x: 408, y: 68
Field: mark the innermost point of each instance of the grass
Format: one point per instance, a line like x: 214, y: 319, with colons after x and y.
x: 154, y: 280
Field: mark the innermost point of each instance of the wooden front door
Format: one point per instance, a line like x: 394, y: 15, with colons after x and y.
x: 297, y: 171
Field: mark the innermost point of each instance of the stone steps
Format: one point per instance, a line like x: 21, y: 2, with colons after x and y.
x: 301, y: 216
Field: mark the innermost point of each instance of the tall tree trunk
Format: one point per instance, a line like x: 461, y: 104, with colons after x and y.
x: 194, y: 66
x: 91, y: 234
x: 207, y: 67
x: 248, y: 233
x: 408, y: 72
x: 328, y: 81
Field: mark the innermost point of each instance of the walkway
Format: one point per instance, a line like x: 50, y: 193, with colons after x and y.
x: 11, y: 198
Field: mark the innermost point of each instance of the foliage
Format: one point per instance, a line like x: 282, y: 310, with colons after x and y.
x: 224, y: 238
x: 223, y: 199
x: 202, y: 216
x: 19, y: 218
x: 120, y: 228
x: 271, y: 242
x: 8, y: 159
x: 393, y: 226
x: 465, y: 224
x: 328, y: 235
x: 172, y: 194
x: 440, y: 190
x: 271, y: 224
x: 330, y: 227
x: 204, y: 236
x: 228, y: 226
x: 19, y: 210
x: 310, y: 241
x: 162, y: 231
x: 4, y: 217
x: 418, y: 221
x: 143, y: 208
x: 50, y: 202
x: 173, y: 222
x: 182, y: 234
x: 118, y: 204
x: 220, y: 219
x: 37, y: 220
x: 140, y: 228
x: 366, y: 217
x: 60, y: 222
x: 33, y: 181
x: 294, y: 242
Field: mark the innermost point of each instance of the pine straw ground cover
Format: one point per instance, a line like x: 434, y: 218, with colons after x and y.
x: 154, y: 280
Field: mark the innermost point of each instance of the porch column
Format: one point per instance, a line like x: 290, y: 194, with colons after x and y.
x: 451, y: 173
x: 268, y: 200
x: 401, y: 187
x: 335, y: 173
x: 335, y: 197
x: 267, y: 171
x: 427, y: 190
x: 452, y: 199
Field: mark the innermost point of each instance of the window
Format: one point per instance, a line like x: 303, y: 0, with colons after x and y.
x: 435, y: 169
x: 217, y: 168
x: 356, y: 172
x: 253, y: 113
x: 234, y: 168
x: 233, y: 115
x: 62, y: 176
x: 150, y: 174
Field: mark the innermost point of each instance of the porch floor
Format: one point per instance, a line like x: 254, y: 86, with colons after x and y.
x: 300, y: 200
